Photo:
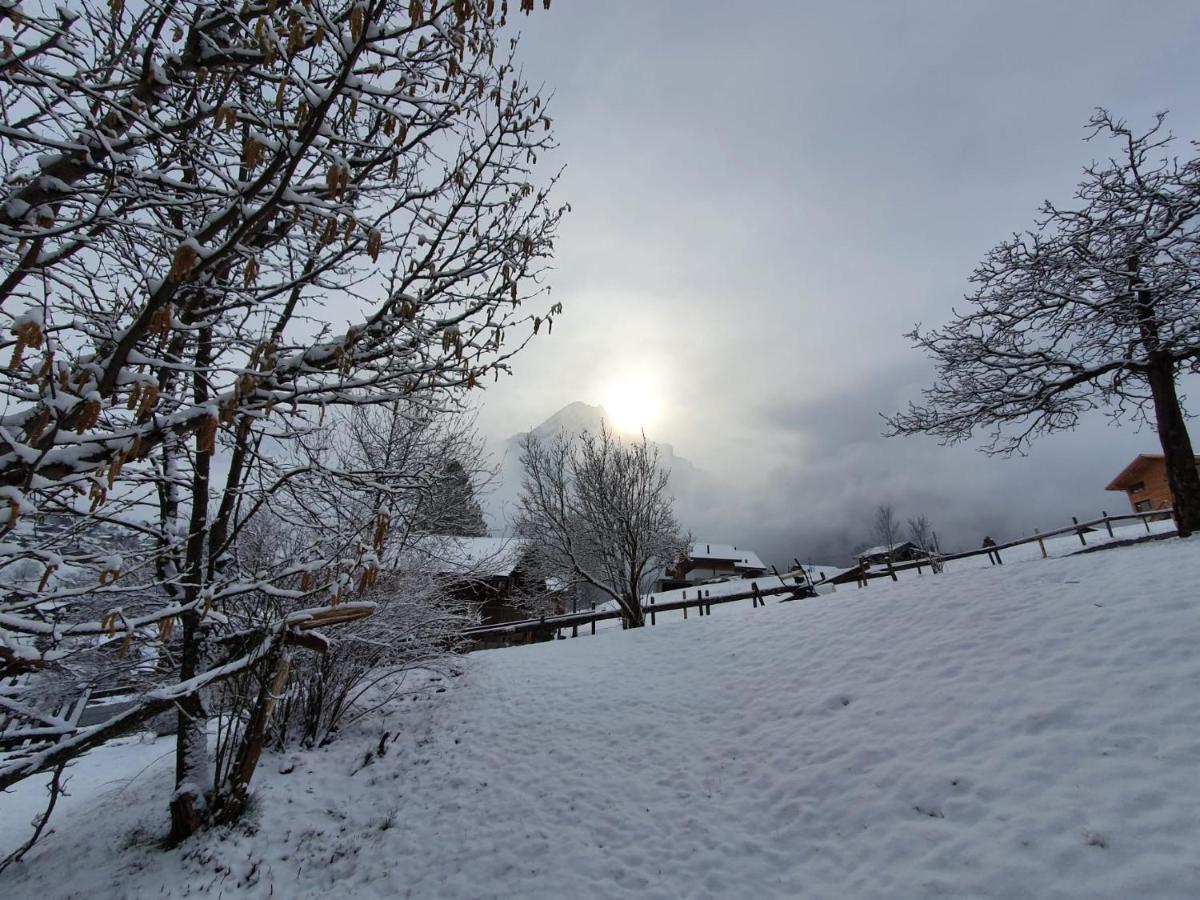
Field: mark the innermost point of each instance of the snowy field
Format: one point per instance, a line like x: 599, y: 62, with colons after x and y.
x: 1030, y: 730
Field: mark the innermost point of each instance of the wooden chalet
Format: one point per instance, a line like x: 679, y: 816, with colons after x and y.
x: 706, y: 561
x: 905, y: 551
x: 485, y: 571
x: 1144, y: 482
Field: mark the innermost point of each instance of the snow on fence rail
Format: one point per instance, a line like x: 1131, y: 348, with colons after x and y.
x: 547, y: 626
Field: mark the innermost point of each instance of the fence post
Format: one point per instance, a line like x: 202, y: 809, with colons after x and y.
x: 1079, y: 531
x: 1041, y: 543
x: 1107, y: 523
x: 754, y: 595
x: 1146, y: 522
x: 593, y: 620
x: 653, y: 619
x: 708, y: 606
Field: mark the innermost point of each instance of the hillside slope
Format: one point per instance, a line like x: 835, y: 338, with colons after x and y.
x: 1025, y: 730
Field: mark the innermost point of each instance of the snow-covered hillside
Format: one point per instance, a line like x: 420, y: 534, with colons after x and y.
x: 1030, y: 730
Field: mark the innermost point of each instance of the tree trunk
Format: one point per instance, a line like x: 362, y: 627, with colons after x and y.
x: 193, y: 779
x: 238, y: 788
x: 189, y: 805
x: 632, y: 613
x: 1182, y: 476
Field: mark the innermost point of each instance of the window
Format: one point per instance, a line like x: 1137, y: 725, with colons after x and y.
x: 1137, y: 488
x: 1143, y: 506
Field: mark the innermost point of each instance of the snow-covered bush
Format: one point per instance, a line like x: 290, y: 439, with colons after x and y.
x: 416, y: 625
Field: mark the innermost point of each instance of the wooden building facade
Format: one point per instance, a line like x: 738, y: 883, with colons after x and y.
x: 1144, y: 482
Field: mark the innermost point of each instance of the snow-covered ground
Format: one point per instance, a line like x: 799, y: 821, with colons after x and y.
x: 1029, y: 730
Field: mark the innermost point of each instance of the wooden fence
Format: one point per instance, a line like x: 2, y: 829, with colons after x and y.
x: 23, y: 725
x: 26, y: 725
x: 1079, y: 529
x: 549, y: 627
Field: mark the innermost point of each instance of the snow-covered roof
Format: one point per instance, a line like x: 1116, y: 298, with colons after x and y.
x: 741, y: 558
x: 481, y: 557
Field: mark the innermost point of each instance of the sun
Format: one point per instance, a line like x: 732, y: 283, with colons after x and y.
x: 633, y: 402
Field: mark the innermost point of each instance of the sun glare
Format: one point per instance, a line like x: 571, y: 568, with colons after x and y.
x: 632, y: 403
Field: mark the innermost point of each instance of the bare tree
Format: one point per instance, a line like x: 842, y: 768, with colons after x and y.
x: 192, y: 193
x: 887, y: 532
x: 920, y: 532
x: 598, y: 512
x: 421, y: 466
x: 1097, y: 307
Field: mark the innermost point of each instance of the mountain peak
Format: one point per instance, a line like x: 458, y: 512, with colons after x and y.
x: 574, y: 418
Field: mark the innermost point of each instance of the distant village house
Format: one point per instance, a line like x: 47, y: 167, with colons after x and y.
x: 707, y: 562
x: 487, y: 572
x: 906, y: 551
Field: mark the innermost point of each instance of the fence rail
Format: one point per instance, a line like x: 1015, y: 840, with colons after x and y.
x: 1080, y: 529
x: 548, y: 626
x: 555, y: 623
x: 27, y: 725
x: 23, y: 725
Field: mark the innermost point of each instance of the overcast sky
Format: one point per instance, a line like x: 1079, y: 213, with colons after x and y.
x: 767, y: 195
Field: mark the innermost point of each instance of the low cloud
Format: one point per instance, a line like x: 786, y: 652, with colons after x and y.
x: 818, y: 500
